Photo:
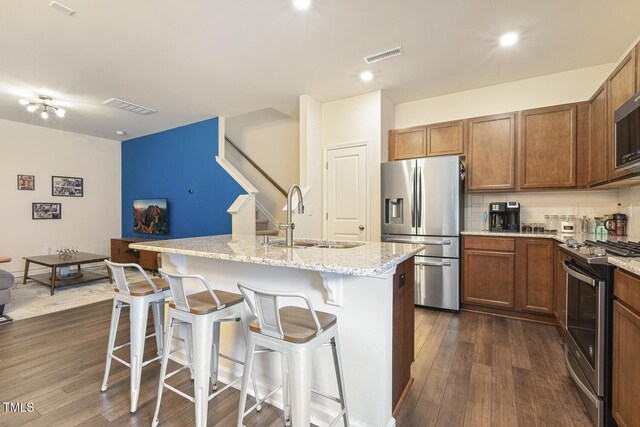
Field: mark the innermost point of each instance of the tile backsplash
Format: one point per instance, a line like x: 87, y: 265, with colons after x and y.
x: 534, y: 206
x: 629, y: 198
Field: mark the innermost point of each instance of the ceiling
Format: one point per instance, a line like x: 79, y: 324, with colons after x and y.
x: 199, y: 59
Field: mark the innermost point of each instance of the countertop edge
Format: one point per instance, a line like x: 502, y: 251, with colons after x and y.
x: 631, y: 265
x: 363, y: 272
x: 555, y: 237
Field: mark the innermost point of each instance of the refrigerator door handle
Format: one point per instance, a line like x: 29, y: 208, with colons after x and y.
x: 413, y: 200
x: 419, y: 204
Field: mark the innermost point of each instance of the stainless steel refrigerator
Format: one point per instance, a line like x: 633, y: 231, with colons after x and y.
x: 422, y: 203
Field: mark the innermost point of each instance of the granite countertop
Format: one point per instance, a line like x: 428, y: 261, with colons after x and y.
x: 369, y: 259
x: 560, y: 237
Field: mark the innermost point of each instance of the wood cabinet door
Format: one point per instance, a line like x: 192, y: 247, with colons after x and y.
x: 560, y: 286
x: 491, y: 144
x: 534, y: 277
x: 547, y: 147
x: 407, y: 143
x: 626, y: 366
x: 488, y: 278
x: 621, y: 86
x: 444, y: 139
x: 598, y: 137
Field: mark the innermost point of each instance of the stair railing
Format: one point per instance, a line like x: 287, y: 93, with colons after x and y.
x: 258, y: 168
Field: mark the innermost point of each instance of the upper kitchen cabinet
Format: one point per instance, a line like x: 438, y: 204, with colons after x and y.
x: 621, y: 86
x: 444, y: 139
x: 598, y: 137
x: 407, y: 143
x: 491, y: 144
x: 638, y: 66
x: 547, y: 148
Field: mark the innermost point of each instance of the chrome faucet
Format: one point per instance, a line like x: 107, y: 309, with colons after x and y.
x: 290, y: 226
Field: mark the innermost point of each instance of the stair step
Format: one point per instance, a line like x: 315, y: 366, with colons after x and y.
x: 262, y: 221
x: 266, y: 232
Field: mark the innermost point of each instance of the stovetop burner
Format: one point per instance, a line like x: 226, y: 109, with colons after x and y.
x: 624, y: 249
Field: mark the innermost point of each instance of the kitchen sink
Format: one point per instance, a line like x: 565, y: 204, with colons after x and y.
x: 319, y: 245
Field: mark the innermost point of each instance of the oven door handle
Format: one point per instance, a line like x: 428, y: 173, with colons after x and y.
x: 578, y: 275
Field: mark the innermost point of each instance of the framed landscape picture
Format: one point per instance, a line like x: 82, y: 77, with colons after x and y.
x: 46, y: 210
x: 26, y: 182
x: 150, y: 216
x: 67, y: 186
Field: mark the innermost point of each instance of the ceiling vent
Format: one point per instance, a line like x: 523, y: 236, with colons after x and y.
x: 128, y: 106
x: 383, y: 55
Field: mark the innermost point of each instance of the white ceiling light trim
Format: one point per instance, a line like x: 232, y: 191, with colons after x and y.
x: 383, y: 55
x: 302, y: 4
x: 509, y: 39
x: 129, y: 106
x: 366, y: 76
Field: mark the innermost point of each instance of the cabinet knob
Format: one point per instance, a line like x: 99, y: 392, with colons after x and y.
x: 361, y: 227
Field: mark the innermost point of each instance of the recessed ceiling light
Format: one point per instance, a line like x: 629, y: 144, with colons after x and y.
x: 302, y: 4
x: 23, y: 102
x: 120, y: 132
x: 509, y: 39
x: 62, y: 8
x: 366, y: 76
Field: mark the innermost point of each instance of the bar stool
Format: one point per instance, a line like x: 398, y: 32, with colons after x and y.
x: 296, y: 333
x: 138, y: 296
x: 202, y: 313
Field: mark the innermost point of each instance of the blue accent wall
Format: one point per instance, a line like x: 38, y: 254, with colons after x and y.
x: 167, y: 165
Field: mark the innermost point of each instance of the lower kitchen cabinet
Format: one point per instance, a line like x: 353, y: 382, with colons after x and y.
x: 509, y: 276
x: 489, y: 278
x: 626, y: 350
x: 534, y: 275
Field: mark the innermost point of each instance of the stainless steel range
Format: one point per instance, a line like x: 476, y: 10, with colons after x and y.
x: 589, y: 320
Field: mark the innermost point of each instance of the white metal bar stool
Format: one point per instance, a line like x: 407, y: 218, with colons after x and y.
x: 138, y: 296
x: 295, y: 332
x: 202, y: 313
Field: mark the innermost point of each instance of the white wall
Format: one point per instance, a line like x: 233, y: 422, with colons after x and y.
x: 358, y: 119
x: 310, y: 225
x: 553, y: 89
x: 88, y: 222
x: 271, y: 139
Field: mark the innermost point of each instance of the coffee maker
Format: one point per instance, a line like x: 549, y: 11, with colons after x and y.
x: 617, y: 225
x: 504, y: 216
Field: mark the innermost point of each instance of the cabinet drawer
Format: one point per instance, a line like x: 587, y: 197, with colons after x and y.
x: 490, y: 243
x: 627, y: 288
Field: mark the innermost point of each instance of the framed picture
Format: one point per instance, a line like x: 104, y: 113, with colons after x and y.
x: 67, y: 186
x: 151, y: 216
x: 26, y: 182
x: 46, y: 210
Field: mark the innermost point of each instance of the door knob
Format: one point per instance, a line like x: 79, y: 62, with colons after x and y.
x: 361, y: 227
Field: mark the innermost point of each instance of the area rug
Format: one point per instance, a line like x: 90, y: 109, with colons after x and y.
x: 34, y: 299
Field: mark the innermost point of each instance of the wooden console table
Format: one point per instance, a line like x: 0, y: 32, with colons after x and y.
x: 5, y: 259
x: 55, y: 262
x: 121, y: 253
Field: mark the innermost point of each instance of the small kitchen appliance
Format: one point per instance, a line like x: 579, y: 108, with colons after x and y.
x: 504, y: 216
x: 617, y: 225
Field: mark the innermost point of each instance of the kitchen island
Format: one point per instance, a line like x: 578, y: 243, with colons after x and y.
x: 369, y: 288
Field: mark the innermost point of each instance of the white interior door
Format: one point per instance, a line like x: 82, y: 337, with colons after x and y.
x: 347, y: 193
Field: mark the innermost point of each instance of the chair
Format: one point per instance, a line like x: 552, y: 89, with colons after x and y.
x: 138, y: 296
x: 202, y: 313
x: 295, y: 332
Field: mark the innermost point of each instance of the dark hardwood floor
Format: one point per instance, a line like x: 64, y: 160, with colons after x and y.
x: 470, y: 369
x: 478, y: 370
